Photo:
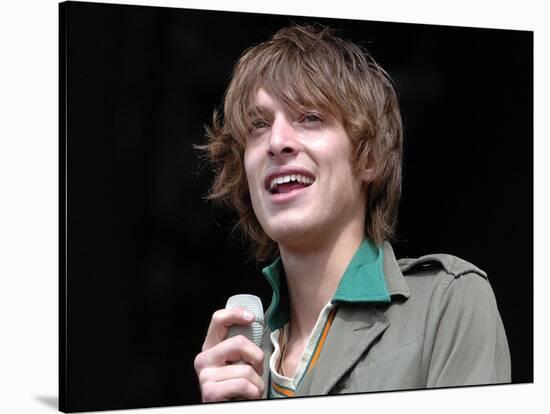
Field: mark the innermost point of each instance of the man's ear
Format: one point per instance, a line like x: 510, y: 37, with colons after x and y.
x: 367, y: 169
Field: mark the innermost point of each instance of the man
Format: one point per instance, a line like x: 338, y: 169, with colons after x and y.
x: 309, y: 154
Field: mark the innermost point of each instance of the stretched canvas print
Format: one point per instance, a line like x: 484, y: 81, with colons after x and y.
x: 361, y: 190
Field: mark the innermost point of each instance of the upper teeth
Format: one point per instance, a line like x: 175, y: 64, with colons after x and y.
x: 288, y: 178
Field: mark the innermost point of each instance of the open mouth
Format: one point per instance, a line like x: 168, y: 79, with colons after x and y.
x: 289, y: 182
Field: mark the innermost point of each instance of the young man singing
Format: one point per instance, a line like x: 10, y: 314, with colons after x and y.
x: 309, y: 154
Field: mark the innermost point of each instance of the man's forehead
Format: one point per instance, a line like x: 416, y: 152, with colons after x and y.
x: 264, y: 104
x: 262, y: 99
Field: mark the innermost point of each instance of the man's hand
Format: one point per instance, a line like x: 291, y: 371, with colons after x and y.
x: 219, y: 379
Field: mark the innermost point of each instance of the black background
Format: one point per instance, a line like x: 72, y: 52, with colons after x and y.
x: 146, y: 260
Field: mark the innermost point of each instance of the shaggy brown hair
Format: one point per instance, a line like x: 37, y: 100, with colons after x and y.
x: 310, y: 67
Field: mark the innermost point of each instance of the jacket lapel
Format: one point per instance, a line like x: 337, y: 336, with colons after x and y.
x: 353, y: 331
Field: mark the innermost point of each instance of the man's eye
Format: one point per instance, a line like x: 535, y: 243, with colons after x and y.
x: 311, y: 118
x: 259, y: 123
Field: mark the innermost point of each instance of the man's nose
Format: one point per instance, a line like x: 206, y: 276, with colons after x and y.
x: 283, y: 140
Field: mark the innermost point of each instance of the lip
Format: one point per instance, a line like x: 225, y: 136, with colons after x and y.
x: 283, y: 198
x: 279, y: 171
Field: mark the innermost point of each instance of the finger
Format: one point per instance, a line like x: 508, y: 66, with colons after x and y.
x: 220, y: 374
x: 220, y: 323
x: 233, y: 349
x: 235, y: 388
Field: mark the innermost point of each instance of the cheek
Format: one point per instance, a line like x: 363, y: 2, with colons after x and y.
x: 333, y: 146
x: 337, y: 157
x: 248, y: 165
x: 343, y: 177
x: 251, y: 169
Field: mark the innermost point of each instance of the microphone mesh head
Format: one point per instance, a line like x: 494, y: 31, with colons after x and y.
x: 253, y: 304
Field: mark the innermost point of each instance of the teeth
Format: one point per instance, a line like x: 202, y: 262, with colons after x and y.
x: 288, y: 178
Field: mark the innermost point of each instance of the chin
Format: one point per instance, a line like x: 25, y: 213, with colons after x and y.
x: 291, y: 233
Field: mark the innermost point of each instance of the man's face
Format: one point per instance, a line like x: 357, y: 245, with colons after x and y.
x: 302, y: 186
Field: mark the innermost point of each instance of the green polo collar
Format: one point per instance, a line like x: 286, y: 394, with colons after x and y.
x: 362, y: 282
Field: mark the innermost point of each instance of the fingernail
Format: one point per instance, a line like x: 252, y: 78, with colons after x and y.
x: 249, y: 316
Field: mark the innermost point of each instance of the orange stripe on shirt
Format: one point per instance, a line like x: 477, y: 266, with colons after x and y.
x: 326, y: 329
x: 281, y: 390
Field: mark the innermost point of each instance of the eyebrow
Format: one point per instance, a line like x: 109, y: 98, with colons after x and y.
x: 260, y: 111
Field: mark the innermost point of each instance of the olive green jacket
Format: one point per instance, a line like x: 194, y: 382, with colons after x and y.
x: 442, y: 328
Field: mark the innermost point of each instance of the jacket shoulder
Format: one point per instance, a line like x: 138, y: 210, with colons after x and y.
x: 431, y: 263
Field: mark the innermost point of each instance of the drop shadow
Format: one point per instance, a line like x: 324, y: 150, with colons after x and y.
x: 51, y: 401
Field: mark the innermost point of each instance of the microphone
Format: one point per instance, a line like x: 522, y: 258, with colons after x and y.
x: 253, y: 304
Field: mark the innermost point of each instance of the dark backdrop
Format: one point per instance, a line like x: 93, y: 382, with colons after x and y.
x: 145, y: 260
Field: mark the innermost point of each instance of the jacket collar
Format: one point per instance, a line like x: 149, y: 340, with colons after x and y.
x: 372, y: 275
x: 395, y: 281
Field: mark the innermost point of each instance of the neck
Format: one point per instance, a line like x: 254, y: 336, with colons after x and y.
x: 313, y: 276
